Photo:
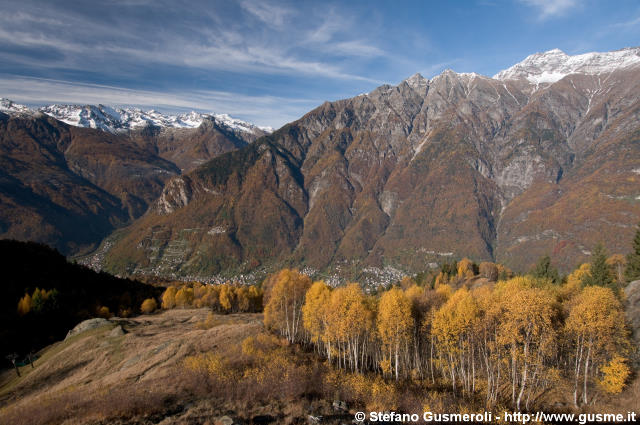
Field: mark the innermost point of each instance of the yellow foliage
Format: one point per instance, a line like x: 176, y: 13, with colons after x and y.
x: 104, y: 312
x: 184, y: 297
x: 385, y: 366
x: 505, y: 287
x: 283, y: 311
x: 209, y: 322
x: 314, y: 310
x: 255, y: 297
x: 349, y: 315
x: 149, y: 305
x: 24, y: 305
x: 615, y: 374
x: 199, y: 290
x: 574, y: 281
x: 455, y: 318
x: 394, y: 323
x: 407, y: 282
x: 504, y: 272
x: 169, y: 298
x: 358, y: 386
x: 211, y: 364
x: 617, y: 263
x: 598, y: 317
x: 394, y: 318
x: 441, y: 279
x: 465, y: 268
x: 414, y: 292
x: 529, y: 313
x: 211, y: 296
x: 444, y: 290
x: 384, y: 396
x: 242, y: 298
x: 261, y: 345
x: 226, y: 297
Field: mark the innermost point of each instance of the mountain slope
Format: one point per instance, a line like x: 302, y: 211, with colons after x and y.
x: 459, y: 165
x: 41, y: 198
x: 69, y: 186
x: 118, y: 120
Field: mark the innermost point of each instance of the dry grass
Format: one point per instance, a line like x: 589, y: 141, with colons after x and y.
x: 97, y: 377
x: 142, y: 377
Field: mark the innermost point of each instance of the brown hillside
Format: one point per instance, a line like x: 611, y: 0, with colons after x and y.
x: 461, y: 165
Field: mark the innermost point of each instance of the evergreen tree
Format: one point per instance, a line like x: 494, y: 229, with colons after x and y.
x: 600, y: 273
x: 632, y: 272
x: 545, y: 270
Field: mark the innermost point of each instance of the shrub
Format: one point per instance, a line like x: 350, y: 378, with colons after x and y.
x: 149, y: 306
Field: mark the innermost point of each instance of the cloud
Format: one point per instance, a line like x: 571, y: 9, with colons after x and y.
x: 631, y: 24
x: 206, y: 42
x: 551, y: 8
x: 200, y: 56
x: 262, y: 110
x: 268, y: 13
x: 432, y: 70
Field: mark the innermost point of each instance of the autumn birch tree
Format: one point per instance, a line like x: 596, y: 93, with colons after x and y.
x: 394, y: 324
x: 527, y: 332
x: 596, y: 329
x: 283, y: 311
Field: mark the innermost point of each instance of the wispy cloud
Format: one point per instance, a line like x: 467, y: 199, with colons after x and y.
x: 630, y: 26
x: 551, y: 8
x: 205, y: 45
x: 268, y: 13
x: 206, y: 53
x: 633, y: 23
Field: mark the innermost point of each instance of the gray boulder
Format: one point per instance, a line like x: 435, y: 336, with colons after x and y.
x: 86, y: 326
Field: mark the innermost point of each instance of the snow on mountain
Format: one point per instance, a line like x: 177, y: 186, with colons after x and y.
x: 9, y: 107
x: 552, y: 66
x: 91, y: 116
x: 539, y: 68
x: 124, y: 119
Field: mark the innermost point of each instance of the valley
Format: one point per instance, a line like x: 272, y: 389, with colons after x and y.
x: 507, y: 169
x: 456, y: 243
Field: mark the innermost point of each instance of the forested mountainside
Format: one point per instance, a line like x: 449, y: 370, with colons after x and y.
x: 69, y: 186
x: 544, y: 158
x: 45, y: 296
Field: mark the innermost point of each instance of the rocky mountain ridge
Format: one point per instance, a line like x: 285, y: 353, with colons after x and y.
x: 460, y: 165
x: 70, y: 185
x: 553, y: 65
x: 117, y: 120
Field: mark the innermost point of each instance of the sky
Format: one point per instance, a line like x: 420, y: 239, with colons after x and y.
x: 269, y: 62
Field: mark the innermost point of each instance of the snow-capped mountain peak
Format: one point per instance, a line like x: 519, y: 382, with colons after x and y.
x: 117, y: 120
x: 553, y: 65
x: 92, y: 116
x: 9, y: 107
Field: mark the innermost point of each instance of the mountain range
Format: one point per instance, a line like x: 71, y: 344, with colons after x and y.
x: 542, y: 158
x: 70, y: 175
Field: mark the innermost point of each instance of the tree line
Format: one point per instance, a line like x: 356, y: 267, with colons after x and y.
x: 45, y: 295
x: 508, y: 340
x: 224, y: 298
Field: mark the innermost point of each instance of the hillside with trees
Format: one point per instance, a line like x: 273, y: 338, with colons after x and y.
x: 44, y: 296
x: 466, y: 337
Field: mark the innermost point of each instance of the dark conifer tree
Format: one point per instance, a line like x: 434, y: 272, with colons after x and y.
x: 600, y: 273
x: 545, y: 270
x: 632, y: 271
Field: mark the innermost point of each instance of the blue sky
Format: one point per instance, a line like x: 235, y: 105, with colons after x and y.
x: 270, y: 62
